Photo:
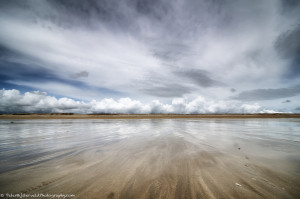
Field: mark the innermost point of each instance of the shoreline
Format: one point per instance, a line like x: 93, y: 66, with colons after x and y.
x: 146, y: 116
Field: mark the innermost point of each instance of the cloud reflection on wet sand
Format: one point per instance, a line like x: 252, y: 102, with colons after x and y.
x: 152, y: 158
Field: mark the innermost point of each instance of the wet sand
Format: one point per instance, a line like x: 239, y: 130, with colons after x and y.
x: 164, y: 166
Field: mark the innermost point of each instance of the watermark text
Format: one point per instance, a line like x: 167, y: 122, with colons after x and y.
x: 36, y: 195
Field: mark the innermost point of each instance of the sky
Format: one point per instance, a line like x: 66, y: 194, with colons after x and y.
x: 150, y: 56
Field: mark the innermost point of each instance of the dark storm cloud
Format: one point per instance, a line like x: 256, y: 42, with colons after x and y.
x: 289, y: 5
x: 288, y: 47
x: 268, y: 94
x: 200, y: 77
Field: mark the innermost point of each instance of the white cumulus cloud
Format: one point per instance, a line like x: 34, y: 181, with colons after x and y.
x: 13, y: 101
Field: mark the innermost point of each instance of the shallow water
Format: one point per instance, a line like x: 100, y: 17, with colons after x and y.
x: 273, y: 144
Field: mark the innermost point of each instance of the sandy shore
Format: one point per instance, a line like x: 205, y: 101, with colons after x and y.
x: 143, y: 116
x: 205, y: 158
x: 166, y: 167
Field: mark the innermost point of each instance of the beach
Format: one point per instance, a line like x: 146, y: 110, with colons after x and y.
x: 142, y: 99
x: 152, y: 158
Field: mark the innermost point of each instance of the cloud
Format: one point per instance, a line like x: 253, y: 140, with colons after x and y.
x: 287, y: 5
x: 286, y: 101
x: 288, y: 47
x: 170, y: 52
x: 12, y: 101
x: 151, y: 50
x: 76, y: 90
x: 232, y: 90
x: 288, y: 44
x: 80, y: 74
x: 200, y: 77
x: 167, y: 90
x: 268, y: 94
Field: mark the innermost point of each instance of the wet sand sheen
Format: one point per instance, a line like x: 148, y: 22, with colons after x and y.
x: 163, y: 166
x: 159, y: 168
